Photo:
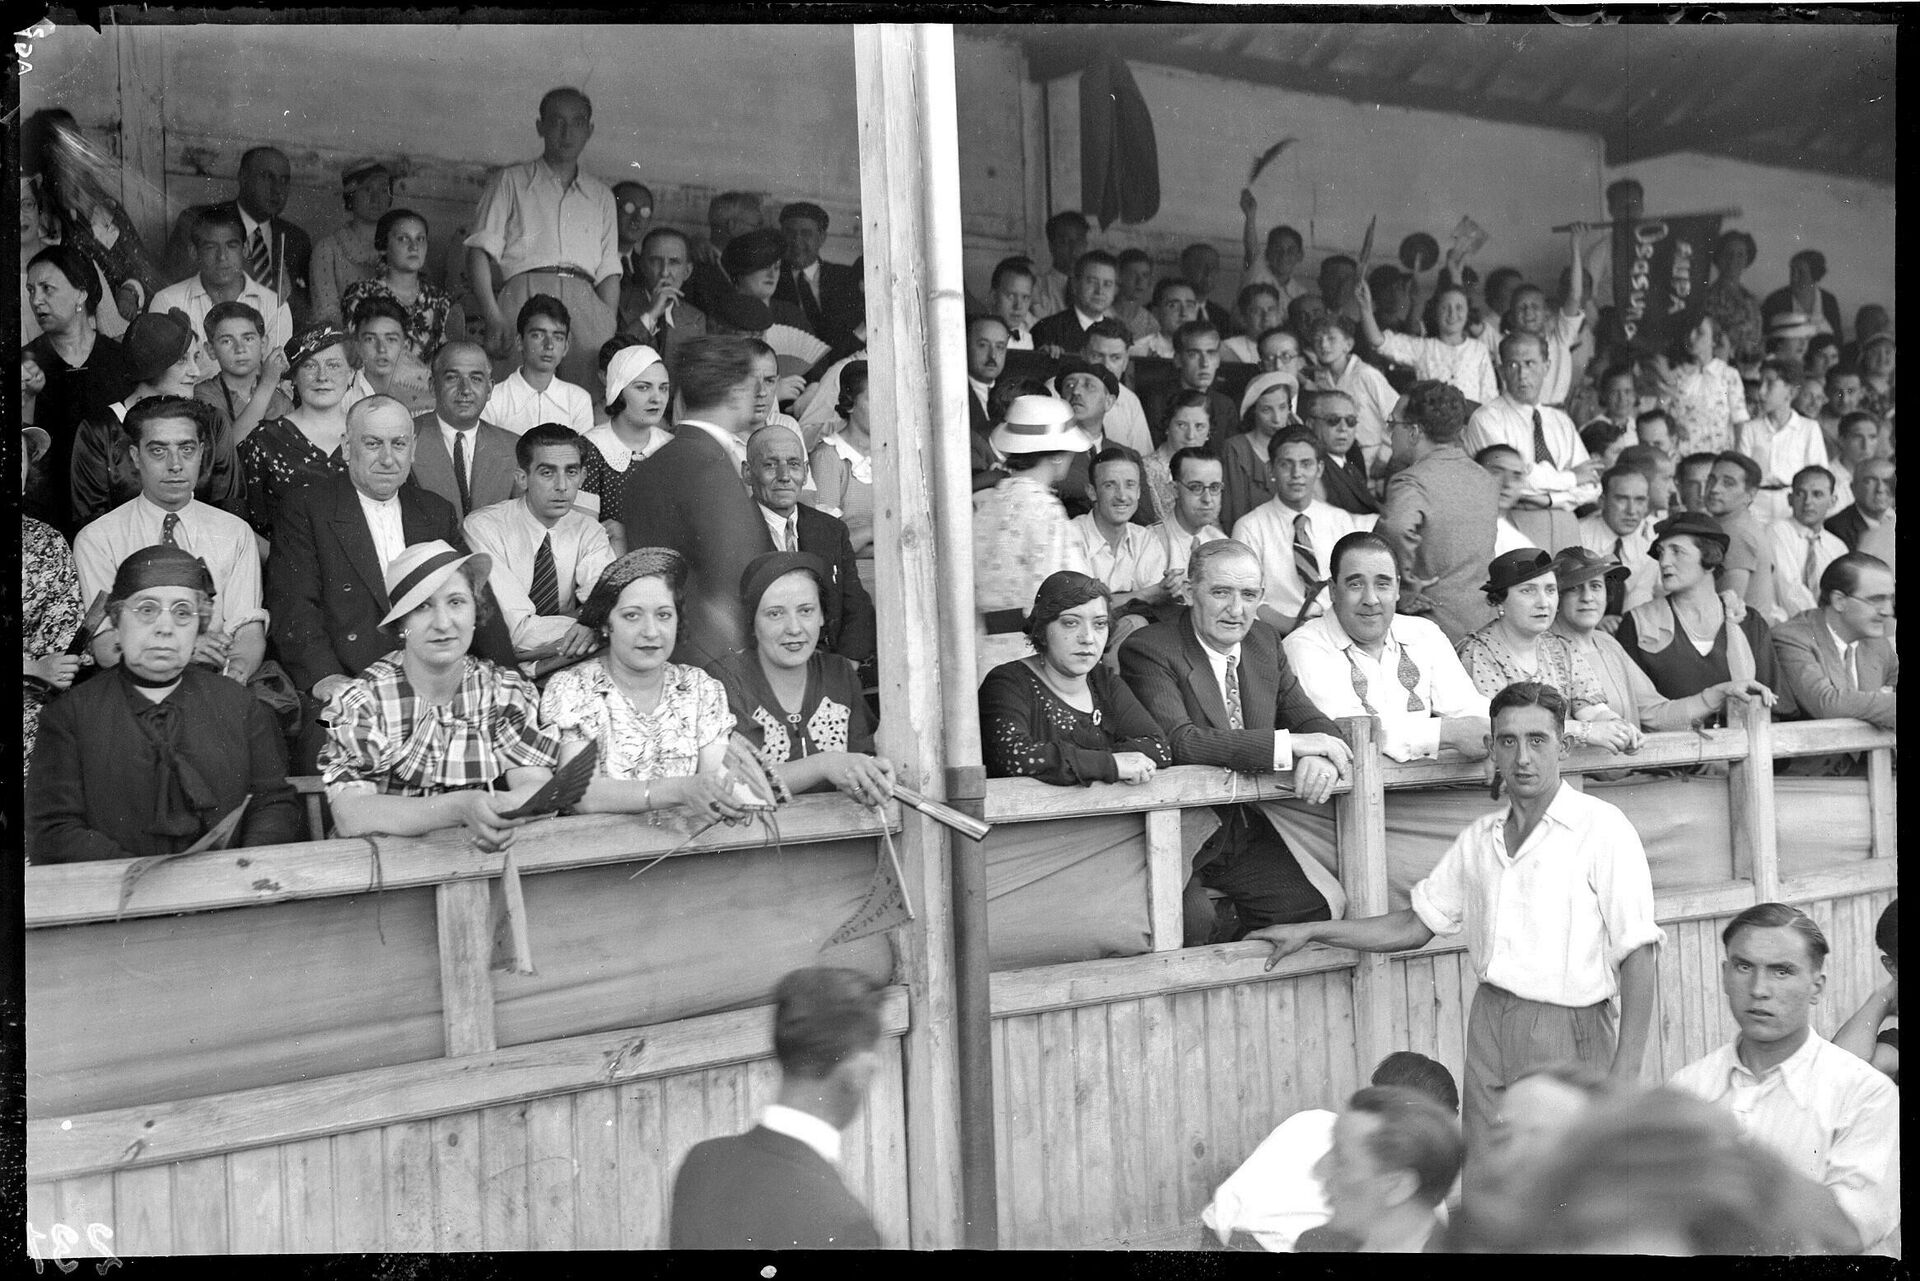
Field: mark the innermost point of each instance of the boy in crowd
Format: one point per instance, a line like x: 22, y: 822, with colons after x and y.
x: 533, y: 393
x: 248, y: 384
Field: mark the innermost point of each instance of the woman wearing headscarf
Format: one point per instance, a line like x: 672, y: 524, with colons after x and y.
x: 1684, y: 641
x: 50, y: 606
x: 422, y: 739
x: 150, y: 755
x: 1517, y: 646
x: 663, y: 728
x: 1583, y: 576
x: 798, y: 706
x: 1058, y: 714
x: 288, y: 453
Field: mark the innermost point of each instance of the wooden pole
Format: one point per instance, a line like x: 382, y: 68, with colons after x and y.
x: 900, y: 82
x: 1360, y: 826
x: 141, y: 53
x: 1756, y: 833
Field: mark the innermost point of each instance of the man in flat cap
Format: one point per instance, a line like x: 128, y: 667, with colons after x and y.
x: 830, y: 295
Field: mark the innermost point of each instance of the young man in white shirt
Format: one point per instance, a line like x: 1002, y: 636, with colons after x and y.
x: 170, y: 438
x: 1830, y: 1115
x: 1555, y: 898
x: 1560, y: 475
x: 220, y: 250
x: 1779, y: 439
x: 1623, y: 529
x: 1174, y: 304
x: 1509, y: 469
x: 1195, y: 519
x: 1285, y: 251
x: 1373, y: 397
x: 546, y: 556
x: 1127, y: 557
x: 1802, y: 547
x: 1293, y: 533
x: 533, y: 393
x: 1364, y: 659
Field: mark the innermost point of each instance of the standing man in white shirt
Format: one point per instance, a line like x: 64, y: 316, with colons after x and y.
x: 1779, y: 439
x: 1802, y: 547
x: 1293, y: 533
x: 220, y: 251
x: 1556, y: 901
x: 1559, y: 472
x: 1830, y: 1115
x: 546, y: 556
x: 1363, y: 659
x: 551, y: 228
x: 533, y: 393
x: 1623, y: 529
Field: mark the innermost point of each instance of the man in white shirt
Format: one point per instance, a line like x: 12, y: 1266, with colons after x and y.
x: 220, y: 249
x: 1012, y: 301
x: 1560, y: 475
x: 546, y: 556
x: 1802, y: 547
x: 1556, y: 901
x: 1127, y: 557
x: 1779, y: 439
x: 1509, y: 469
x: 1830, y: 1115
x: 532, y: 394
x: 1623, y: 529
x: 1195, y: 519
x: 170, y: 436
x: 552, y: 229
x: 1363, y: 659
x: 1373, y: 397
x: 1293, y: 533
x: 1174, y: 304
x: 1105, y: 343
x: 1274, y: 1197
x: 1066, y: 242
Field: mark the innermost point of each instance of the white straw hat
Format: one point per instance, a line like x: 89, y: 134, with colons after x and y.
x: 417, y: 572
x: 1039, y: 425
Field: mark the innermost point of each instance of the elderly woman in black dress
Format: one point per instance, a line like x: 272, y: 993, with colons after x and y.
x: 800, y: 707
x: 1058, y: 715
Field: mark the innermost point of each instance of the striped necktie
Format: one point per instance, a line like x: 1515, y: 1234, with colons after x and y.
x: 1810, y: 572
x: 260, y: 256
x: 1305, y: 563
x: 1234, y: 718
x: 546, y: 581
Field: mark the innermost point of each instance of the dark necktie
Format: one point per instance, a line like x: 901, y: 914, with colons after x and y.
x: 808, y: 302
x: 1617, y: 583
x: 260, y: 256
x: 1234, y: 719
x: 1541, y: 454
x: 460, y: 472
x: 546, y: 581
x: 167, y: 526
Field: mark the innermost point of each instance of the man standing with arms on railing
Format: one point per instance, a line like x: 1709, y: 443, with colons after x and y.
x: 1556, y: 901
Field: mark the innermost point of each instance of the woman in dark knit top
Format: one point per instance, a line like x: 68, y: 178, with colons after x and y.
x: 1058, y: 715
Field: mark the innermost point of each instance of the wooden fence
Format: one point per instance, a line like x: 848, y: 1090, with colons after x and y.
x: 1126, y: 1088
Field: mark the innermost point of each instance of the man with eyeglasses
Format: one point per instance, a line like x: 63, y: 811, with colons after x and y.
x: 1837, y: 659
x: 1333, y: 418
x: 1194, y: 521
x: 168, y: 438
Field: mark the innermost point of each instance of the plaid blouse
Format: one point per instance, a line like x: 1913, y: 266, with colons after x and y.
x: 383, y: 737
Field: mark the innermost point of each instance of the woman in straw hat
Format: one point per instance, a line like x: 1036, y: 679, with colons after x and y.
x: 420, y: 739
x: 1020, y: 530
x: 50, y: 604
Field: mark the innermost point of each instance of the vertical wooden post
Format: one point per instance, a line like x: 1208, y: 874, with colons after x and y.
x: 1360, y: 826
x: 141, y: 53
x: 905, y: 93
x: 464, y: 910
x: 1167, y: 870
x: 1882, y: 816
x: 1756, y: 833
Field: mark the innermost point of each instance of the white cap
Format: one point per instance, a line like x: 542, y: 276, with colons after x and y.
x: 628, y: 364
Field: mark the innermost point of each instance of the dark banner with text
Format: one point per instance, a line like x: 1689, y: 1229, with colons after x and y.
x: 1660, y: 269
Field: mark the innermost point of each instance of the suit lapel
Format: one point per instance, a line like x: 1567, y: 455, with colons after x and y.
x: 1206, y: 690
x: 350, y: 527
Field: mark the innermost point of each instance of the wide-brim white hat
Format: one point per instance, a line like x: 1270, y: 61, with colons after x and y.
x: 417, y: 572
x: 1791, y: 324
x: 1039, y: 425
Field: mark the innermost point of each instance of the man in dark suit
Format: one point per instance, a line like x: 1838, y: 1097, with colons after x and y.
x: 652, y: 305
x: 1215, y: 679
x: 1096, y: 279
x: 776, y: 468
x: 1836, y: 659
x: 831, y: 295
x: 1867, y: 525
x: 689, y: 496
x: 729, y: 214
x: 467, y: 462
x: 274, y: 247
x: 326, y: 587
x: 777, y: 1187
x: 1334, y: 421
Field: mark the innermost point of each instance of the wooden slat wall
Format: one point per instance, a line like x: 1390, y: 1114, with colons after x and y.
x: 1119, y: 1119
x: 591, y: 1170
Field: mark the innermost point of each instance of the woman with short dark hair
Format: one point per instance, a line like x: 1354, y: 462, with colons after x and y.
x: 433, y: 316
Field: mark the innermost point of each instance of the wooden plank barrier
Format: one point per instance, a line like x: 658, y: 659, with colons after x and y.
x: 1128, y: 1087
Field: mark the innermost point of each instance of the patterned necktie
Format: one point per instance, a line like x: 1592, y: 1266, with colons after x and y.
x: 1810, y: 572
x: 1541, y: 454
x: 546, y: 580
x: 1407, y: 671
x: 260, y: 256
x: 792, y: 534
x: 1617, y: 583
x: 1305, y: 563
x: 460, y: 472
x: 1234, y: 719
x: 167, y: 526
